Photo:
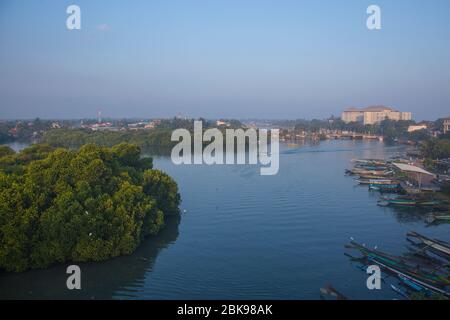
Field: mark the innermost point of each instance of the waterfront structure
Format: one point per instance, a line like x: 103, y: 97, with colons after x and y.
x: 416, y: 174
x: 374, y: 115
x: 446, y: 125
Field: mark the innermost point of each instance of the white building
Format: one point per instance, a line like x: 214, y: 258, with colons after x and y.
x: 446, y: 125
x: 374, y: 115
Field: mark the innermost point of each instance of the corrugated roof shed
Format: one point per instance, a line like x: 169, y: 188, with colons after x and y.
x: 410, y: 168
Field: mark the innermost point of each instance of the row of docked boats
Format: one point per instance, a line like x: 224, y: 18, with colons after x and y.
x: 424, y: 269
x: 379, y: 176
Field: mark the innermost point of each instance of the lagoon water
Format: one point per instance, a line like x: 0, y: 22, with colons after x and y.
x: 247, y: 236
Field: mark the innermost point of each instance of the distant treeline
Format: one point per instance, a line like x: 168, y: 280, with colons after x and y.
x: 90, y: 204
x: 73, y: 138
x: 154, y: 141
x: 34, y: 130
x: 389, y: 129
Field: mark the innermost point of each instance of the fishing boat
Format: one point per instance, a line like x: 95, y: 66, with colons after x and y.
x: 406, y: 200
x: 400, y: 292
x: 436, y: 246
x: 385, y: 187
x: 402, y: 202
x: 372, y: 168
x: 433, y: 217
x: 332, y: 292
x: 370, y: 161
x: 371, y: 177
x: 415, y: 286
x: 378, y: 182
x: 396, y: 266
x: 429, y: 203
x: 359, y: 171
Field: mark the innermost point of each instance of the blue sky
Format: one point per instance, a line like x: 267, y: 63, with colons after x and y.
x: 222, y: 58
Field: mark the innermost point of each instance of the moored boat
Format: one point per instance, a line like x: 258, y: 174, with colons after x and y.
x: 402, y: 202
x: 385, y: 187
x: 378, y: 181
x: 398, y: 267
x: 437, y: 246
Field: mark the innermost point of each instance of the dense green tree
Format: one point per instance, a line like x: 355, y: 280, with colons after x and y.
x: 436, y: 149
x: 6, y: 151
x: 85, y: 205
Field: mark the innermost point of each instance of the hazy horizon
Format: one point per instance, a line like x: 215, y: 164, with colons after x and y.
x: 267, y: 60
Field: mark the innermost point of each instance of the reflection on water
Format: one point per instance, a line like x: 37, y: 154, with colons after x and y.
x: 104, y: 280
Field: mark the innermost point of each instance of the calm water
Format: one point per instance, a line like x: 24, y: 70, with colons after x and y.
x: 249, y: 236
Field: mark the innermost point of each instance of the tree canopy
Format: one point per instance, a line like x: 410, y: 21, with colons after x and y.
x: 90, y: 204
x: 436, y: 149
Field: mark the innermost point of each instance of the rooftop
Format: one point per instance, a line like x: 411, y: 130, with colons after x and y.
x: 410, y: 168
x: 369, y: 109
x: 378, y: 109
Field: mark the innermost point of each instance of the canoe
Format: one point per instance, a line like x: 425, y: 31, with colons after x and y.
x: 432, y: 217
x: 400, y: 292
x: 384, y: 186
x: 429, y: 203
x: 368, y: 172
x: 369, y: 161
x: 402, y: 202
x: 438, y: 245
x: 378, y: 181
x: 396, y: 266
x: 371, y: 177
x: 372, y: 168
x: 423, y: 283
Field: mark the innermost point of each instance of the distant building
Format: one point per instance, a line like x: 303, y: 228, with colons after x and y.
x: 102, y: 126
x: 221, y: 123
x: 446, y: 125
x: 417, y: 127
x: 353, y: 115
x: 374, y: 115
x: 56, y: 125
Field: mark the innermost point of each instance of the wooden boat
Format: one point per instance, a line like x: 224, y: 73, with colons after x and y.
x: 402, y: 202
x: 437, y: 246
x: 371, y: 177
x: 415, y: 286
x: 330, y: 291
x: 429, y: 203
x: 400, y: 292
x: 378, y: 182
x: 372, y: 168
x: 396, y: 266
x: 433, y: 217
x: 358, y: 171
x: 369, y: 161
x: 385, y: 188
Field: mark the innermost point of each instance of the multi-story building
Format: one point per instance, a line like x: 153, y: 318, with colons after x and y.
x: 353, y: 115
x: 374, y: 115
x: 446, y: 125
